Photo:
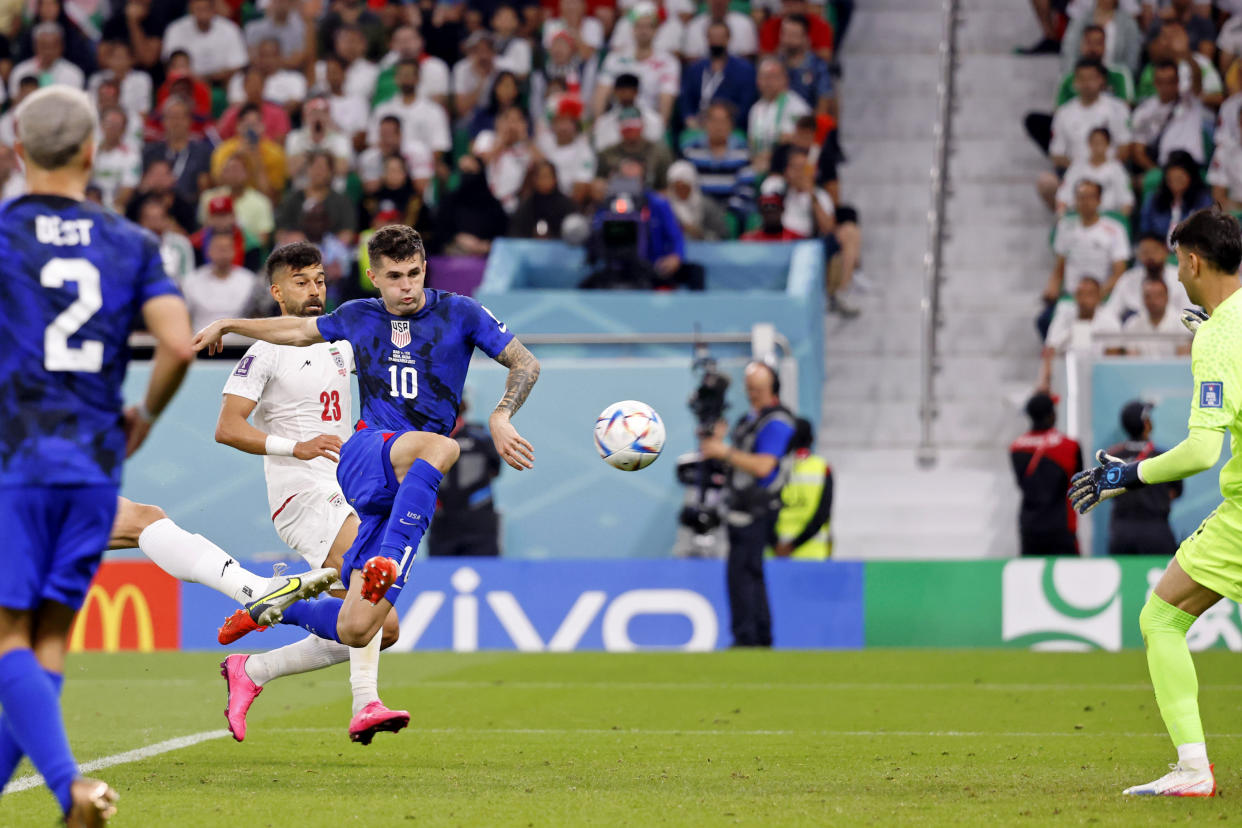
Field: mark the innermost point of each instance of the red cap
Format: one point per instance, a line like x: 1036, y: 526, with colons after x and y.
x: 391, y: 216
x: 220, y: 205
x: 569, y: 106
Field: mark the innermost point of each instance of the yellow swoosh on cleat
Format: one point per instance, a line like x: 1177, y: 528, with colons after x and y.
x: 293, y: 586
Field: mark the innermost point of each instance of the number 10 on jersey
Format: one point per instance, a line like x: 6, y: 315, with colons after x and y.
x: 403, y: 381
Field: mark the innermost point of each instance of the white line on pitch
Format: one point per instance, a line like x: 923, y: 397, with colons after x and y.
x: 626, y: 731
x: 25, y: 783
x: 501, y: 684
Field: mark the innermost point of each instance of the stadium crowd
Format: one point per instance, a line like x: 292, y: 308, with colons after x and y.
x: 230, y: 126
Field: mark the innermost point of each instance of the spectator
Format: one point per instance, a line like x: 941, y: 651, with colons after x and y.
x: 337, y: 260
x: 669, y: 34
x: 773, y: 116
x: 180, y: 81
x: 1225, y: 171
x: 48, y: 60
x: 348, y: 112
x: 396, y: 192
x: 470, y: 217
x: 1065, y: 137
x: 252, y: 209
x: 466, y: 522
x: 659, y: 73
x: 265, y: 157
x: 1156, y: 319
x: 512, y: 50
x: 28, y: 84
x: 419, y: 160
x: 422, y: 120
x: 12, y: 180
x: 743, y: 39
x: 216, y: 45
x: 175, y: 249
x: 221, y: 220
x: 820, y: 31
x: 718, y: 76
x: 354, y: 15
x: 569, y: 151
x: 808, y: 74
x: 360, y: 74
x: 1121, y: 47
x: 275, y: 118
x: 760, y: 440
x: 803, y: 527
x: 160, y: 184
x: 1229, y: 43
x: 78, y: 48
x: 189, y: 158
x: 772, y: 216
x: 1043, y: 462
x: 1094, y: 46
x: 722, y: 159
x: 507, y: 153
x: 1139, y: 522
x: 277, y: 84
x: 219, y: 289
x: 543, y: 206
x: 340, y: 211
x: 1100, y: 167
x: 505, y: 92
x: 1166, y: 122
x: 1076, y: 327
x: 117, y: 168
x: 1180, y: 193
x: 585, y: 33
x: 472, y: 75
x: 280, y: 23
x: 1086, y: 244
x: 657, y: 155
x: 1199, y: 29
x: 1152, y: 262
x: 607, y: 130
x: 701, y: 218
x: 141, y: 24
x: 318, y: 133
x: 810, y: 212
x: 1196, y: 74
x: 824, y: 155
x: 564, y: 73
x: 134, y: 85
x: 433, y: 73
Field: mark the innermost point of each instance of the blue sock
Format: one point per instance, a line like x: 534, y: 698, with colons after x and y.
x: 10, y: 753
x: 411, y: 509
x: 317, y: 617
x: 32, y: 712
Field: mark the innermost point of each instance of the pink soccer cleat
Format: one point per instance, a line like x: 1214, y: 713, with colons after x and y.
x: 375, y: 718
x: 242, y: 693
x: 378, y: 574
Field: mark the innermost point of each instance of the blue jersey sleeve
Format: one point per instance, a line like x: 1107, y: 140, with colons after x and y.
x: 334, y: 326
x: 487, y: 332
x: 773, y: 439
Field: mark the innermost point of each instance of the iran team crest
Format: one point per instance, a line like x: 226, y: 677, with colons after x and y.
x: 401, y: 333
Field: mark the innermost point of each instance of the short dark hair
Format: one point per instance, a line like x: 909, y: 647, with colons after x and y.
x: 295, y: 256
x: 247, y: 108
x: 1094, y: 27
x: 396, y: 242
x: 803, y: 436
x: 800, y: 19
x: 1150, y: 236
x: 391, y: 119
x: 626, y: 80
x: 1108, y: 135
x: 1213, y: 235
x: 409, y: 62
x: 1099, y: 189
x: 1092, y: 63
x: 1162, y: 65
x: 725, y: 104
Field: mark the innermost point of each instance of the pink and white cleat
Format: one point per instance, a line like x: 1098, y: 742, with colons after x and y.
x: 375, y: 718
x: 1180, y: 781
x: 242, y: 693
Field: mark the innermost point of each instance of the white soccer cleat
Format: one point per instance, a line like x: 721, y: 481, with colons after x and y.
x: 1179, y: 782
x: 282, y: 591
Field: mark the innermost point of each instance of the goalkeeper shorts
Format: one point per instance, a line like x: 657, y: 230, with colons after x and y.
x: 1212, y: 555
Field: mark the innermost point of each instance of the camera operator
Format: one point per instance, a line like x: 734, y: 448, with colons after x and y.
x: 636, y: 242
x: 760, y: 442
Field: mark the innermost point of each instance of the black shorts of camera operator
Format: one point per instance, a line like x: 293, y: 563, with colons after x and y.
x: 636, y: 242
x: 757, y: 470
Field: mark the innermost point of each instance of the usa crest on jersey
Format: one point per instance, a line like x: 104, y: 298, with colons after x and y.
x: 401, y: 333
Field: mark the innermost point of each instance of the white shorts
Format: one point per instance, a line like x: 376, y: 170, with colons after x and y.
x: 310, y: 521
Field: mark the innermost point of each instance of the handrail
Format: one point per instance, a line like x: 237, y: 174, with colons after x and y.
x: 932, y: 259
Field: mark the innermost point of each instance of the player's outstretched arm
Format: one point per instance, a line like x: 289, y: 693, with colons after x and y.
x: 523, y: 374
x: 233, y: 428
x: 168, y: 320
x: 278, y: 330
x: 1112, y: 477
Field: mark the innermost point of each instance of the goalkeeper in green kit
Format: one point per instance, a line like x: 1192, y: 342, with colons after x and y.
x: 1208, y: 564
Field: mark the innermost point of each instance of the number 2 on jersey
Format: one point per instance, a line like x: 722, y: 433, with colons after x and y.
x: 57, y: 353
x: 331, y: 406
x: 404, y: 380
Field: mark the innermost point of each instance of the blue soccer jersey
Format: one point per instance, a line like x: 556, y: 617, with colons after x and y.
x: 411, y: 369
x: 75, y: 277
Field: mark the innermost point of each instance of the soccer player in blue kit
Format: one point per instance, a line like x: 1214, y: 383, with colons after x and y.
x: 77, y: 278
x: 412, y: 347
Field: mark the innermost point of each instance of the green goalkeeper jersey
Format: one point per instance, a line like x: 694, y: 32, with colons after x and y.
x: 1216, y: 362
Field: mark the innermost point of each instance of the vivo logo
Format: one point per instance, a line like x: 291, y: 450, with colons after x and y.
x: 618, y: 612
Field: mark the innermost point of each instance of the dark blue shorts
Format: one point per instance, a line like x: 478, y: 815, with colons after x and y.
x: 369, y: 484
x: 55, y: 538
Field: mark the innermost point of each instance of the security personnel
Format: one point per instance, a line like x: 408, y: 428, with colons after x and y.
x: 756, y: 473
x: 1044, y: 460
x: 802, y: 527
x: 466, y: 522
x: 1139, y: 524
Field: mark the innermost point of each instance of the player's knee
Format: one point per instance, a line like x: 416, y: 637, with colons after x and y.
x: 391, y: 630
x: 443, y: 453
x: 146, y: 514
x: 1158, y: 616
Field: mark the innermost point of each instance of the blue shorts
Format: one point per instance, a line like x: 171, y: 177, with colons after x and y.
x: 369, y: 484
x: 56, y: 537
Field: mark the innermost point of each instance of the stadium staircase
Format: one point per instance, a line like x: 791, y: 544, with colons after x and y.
x: 995, y: 261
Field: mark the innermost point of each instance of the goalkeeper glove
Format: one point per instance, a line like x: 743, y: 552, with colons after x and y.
x: 1192, y: 318
x: 1112, y: 477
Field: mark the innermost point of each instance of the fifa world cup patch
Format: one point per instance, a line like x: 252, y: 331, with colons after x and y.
x: 243, y: 367
x: 1211, y: 394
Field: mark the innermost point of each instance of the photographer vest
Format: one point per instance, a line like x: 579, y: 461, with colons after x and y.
x: 748, y: 499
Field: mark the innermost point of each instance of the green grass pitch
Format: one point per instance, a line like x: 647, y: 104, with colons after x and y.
x: 879, y: 737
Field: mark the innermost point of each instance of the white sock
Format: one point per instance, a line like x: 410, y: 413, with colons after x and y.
x: 1192, y: 755
x: 364, y: 672
x: 311, y: 653
x: 196, y: 560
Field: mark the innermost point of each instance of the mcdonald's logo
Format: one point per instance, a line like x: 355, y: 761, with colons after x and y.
x: 131, y: 605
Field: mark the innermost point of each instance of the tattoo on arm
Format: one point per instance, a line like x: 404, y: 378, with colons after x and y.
x: 523, y: 373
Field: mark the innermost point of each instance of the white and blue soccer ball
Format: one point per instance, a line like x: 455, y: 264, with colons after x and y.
x: 629, y: 435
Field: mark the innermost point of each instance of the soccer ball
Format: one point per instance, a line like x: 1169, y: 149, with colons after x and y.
x: 629, y: 435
